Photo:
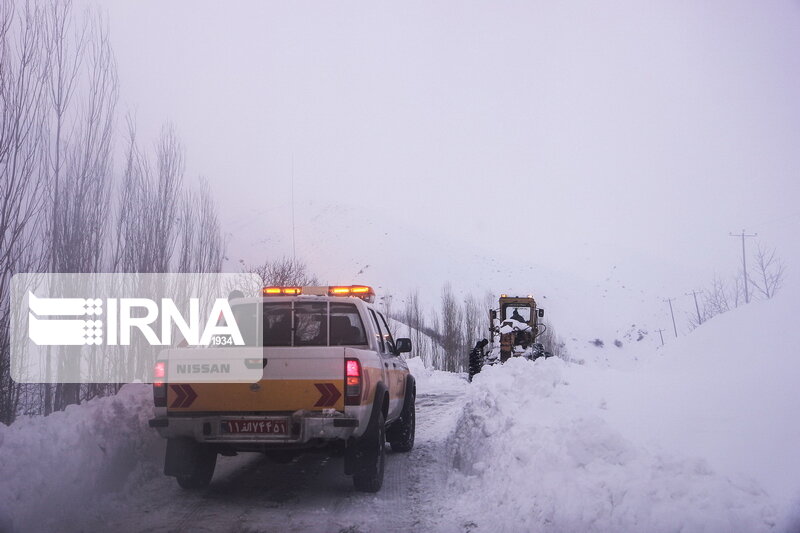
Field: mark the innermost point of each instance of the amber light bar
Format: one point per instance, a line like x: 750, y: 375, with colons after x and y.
x: 282, y: 291
x: 365, y: 292
x: 359, y: 291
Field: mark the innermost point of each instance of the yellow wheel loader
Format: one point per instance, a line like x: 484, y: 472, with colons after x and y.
x: 513, y: 329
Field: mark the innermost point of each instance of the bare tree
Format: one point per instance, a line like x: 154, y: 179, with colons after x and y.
x: 202, y: 248
x: 716, y: 300
x: 150, y: 208
x: 769, y: 271
x: 437, y: 349
x: 23, y: 144
x: 415, y: 320
x: 170, y: 163
x: 58, y: 94
x: 553, y: 343
x: 64, y: 56
x: 80, y: 182
x: 134, y: 232
x: 283, y: 272
x: 451, y: 331
x: 386, y: 303
x: 474, y: 326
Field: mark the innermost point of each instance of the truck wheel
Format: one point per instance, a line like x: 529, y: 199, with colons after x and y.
x: 371, y: 460
x: 199, y: 465
x: 401, y: 434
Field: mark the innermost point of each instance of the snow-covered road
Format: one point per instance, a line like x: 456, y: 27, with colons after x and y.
x: 250, y: 493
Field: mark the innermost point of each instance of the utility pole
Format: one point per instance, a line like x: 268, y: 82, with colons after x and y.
x: 695, y: 293
x: 744, y: 262
x: 660, y: 334
x: 674, y: 327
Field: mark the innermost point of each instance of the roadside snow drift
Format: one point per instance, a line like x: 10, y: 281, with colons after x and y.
x: 530, y: 455
x: 54, y: 468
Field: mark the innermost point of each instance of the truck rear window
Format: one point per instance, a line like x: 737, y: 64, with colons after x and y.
x: 302, y: 324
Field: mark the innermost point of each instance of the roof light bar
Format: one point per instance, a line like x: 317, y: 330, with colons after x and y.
x: 282, y: 291
x: 364, y: 292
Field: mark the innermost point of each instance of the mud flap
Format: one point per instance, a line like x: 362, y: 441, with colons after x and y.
x: 392, y: 432
x: 360, y: 452
x: 182, y: 456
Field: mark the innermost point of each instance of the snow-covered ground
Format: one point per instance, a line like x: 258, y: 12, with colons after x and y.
x: 701, y: 435
x: 532, y: 451
x: 54, y: 469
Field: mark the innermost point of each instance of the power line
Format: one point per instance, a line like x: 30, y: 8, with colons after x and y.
x: 744, y: 262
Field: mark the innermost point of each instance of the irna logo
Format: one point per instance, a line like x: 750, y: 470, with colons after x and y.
x: 109, y: 322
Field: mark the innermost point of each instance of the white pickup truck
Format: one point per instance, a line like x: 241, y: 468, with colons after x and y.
x: 333, y: 379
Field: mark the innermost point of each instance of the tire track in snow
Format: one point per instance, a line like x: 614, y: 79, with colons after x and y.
x: 253, y: 494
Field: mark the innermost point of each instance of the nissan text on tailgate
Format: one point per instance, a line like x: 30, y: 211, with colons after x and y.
x: 332, y: 379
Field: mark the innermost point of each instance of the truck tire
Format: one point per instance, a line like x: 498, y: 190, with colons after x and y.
x: 371, y: 460
x: 401, y: 433
x: 190, y: 462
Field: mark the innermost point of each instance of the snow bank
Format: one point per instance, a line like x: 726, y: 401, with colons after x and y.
x: 531, y: 454
x: 727, y: 392
x: 437, y: 382
x: 53, y: 469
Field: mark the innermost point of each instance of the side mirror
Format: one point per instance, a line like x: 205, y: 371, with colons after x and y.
x: 492, y: 314
x: 403, y: 345
x: 541, y: 313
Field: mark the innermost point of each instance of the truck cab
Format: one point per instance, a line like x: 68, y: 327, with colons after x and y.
x: 332, y: 379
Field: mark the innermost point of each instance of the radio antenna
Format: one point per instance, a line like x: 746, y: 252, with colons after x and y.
x: 294, y: 251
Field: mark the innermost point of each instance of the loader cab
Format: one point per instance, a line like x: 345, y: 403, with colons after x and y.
x: 518, y: 312
x: 520, y: 309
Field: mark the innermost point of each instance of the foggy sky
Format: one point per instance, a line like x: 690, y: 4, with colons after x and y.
x: 610, y: 133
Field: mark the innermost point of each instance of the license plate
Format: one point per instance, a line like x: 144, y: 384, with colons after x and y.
x: 272, y: 426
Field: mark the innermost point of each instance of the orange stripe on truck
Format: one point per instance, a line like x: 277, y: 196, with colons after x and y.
x: 266, y: 395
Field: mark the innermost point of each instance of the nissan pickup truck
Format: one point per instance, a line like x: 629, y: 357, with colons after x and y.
x: 333, y: 380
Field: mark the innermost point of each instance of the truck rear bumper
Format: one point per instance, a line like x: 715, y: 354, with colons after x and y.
x: 304, y: 427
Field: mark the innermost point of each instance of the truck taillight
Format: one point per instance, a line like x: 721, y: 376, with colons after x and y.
x: 159, y: 385
x: 160, y: 371
x: 352, y: 376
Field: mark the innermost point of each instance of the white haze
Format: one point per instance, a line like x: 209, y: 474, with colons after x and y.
x: 483, y: 143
